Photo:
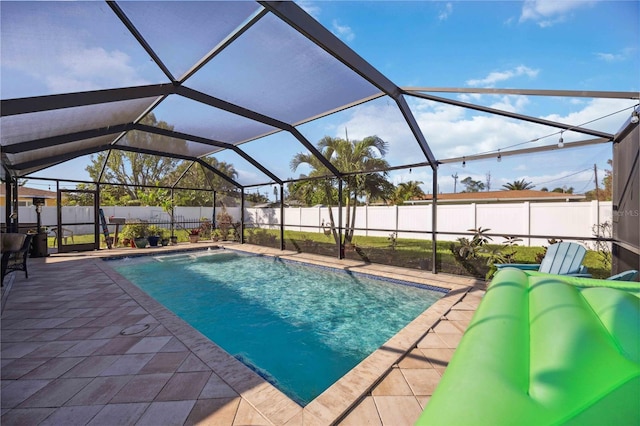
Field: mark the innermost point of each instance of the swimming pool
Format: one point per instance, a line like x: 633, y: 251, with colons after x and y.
x: 300, y: 327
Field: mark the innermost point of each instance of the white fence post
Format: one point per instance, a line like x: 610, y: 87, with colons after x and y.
x: 366, y: 220
x: 595, y: 216
x: 527, y: 220
x: 396, y: 221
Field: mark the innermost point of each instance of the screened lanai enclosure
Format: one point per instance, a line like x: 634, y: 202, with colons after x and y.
x: 234, y: 123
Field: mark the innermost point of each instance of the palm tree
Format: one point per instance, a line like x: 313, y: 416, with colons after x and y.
x: 407, y: 190
x: 518, y: 185
x: 349, y: 157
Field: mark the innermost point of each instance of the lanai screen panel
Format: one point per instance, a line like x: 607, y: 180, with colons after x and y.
x: 45, y: 124
x: 276, y: 152
x: 63, y: 47
x: 273, y: 70
x: 182, y: 33
x: 378, y: 117
x: 164, y: 144
x: 247, y: 173
x: 54, y: 154
x: 195, y: 118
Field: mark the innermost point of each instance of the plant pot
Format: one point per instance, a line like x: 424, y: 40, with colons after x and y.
x: 126, y: 242
x: 164, y: 242
x: 194, y: 238
x: 141, y: 242
x: 153, y: 240
x: 174, y: 240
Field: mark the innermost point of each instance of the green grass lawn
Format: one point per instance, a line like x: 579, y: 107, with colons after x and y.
x: 417, y: 253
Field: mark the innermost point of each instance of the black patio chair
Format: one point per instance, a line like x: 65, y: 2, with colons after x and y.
x: 15, y: 252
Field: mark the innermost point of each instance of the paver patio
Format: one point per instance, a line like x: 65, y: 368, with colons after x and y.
x: 82, y: 345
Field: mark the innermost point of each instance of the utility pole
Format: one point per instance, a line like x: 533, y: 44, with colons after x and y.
x: 595, y: 173
x: 455, y: 181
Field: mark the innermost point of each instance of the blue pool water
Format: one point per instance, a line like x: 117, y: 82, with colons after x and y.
x: 301, y: 327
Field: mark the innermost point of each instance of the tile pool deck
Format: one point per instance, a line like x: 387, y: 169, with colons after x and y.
x: 82, y: 345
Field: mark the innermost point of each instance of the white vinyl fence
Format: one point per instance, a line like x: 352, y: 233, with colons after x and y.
x: 560, y: 219
x: 569, y: 220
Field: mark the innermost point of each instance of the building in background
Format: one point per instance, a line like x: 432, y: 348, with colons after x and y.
x: 26, y: 195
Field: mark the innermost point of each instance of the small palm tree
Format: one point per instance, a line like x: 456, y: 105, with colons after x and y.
x: 518, y: 185
x: 408, y: 190
x: 357, y: 156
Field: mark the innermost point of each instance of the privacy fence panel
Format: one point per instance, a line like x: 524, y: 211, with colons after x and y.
x: 455, y: 218
x: 417, y: 219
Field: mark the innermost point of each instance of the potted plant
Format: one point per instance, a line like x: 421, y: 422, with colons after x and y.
x: 215, y: 235
x: 164, y: 237
x: 194, y: 235
x: 136, y: 232
x: 154, y: 232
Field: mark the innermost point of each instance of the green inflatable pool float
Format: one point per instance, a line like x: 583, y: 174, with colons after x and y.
x: 545, y: 350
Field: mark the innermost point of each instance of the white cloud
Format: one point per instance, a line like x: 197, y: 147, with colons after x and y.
x: 623, y: 55
x: 93, y: 68
x: 550, y: 12
x: 452, y: 132
x: 342, y: 31
x: 609, y: 57
x: 69, y: 64
x: 310, y: 7
x: 511, y: 103
x: 445, y: 12
x: 456, y: 132
x: 497, y: 76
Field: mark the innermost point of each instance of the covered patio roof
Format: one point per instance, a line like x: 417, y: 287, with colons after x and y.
x: 239, y: 78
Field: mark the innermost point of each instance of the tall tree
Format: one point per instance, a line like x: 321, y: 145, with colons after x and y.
x: 312, y: 192
x: 190, y: 175
x: 406, y: 191
x: 361, y: 156
x: 256, y: 198
x: 518, y: 185
x: 564, y: 190
x: 131, y: 170
x: 471, y: 185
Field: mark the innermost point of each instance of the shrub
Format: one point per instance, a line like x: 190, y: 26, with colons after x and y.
x: 154, y: 230
x: 133, y: 230
x: 224, y: 222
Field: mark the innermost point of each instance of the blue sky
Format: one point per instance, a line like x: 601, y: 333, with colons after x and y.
x: 566, y: 45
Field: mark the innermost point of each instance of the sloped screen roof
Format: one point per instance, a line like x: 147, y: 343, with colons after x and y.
x: 218, y: 74
x: 204, y: 78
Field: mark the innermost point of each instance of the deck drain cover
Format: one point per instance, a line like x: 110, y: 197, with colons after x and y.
x: 134, y: 329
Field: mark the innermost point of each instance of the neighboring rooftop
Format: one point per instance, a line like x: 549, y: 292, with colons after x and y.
x: 26, y: 192
x: 506, y: 196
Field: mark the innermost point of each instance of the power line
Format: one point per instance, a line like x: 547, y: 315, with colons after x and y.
x: 564, y: 177
x: 585, y: 187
